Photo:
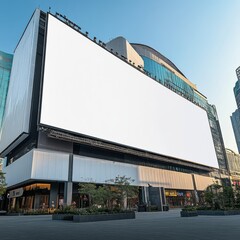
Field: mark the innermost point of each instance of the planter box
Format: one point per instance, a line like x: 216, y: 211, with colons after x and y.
x: 14, y: 214
x: 2, y: 212
x: 103, y: 217
x: 218, y: 212
x: 189, y: 213
x: 68, y: 217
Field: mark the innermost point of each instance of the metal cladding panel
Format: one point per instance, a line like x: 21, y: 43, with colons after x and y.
x: 20, y: 170
x: 18, y: 106
x: 89, y: 91
x: 49, y: 165
x: 203, y: 182
x: 87, y: 169
x: 164, y: 178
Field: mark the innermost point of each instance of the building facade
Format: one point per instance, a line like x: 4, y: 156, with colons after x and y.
x: 166, y: 73
x: 234, y: 166
x: 235, y: 118
x: 236, y: 91
x: 5, y: 69
x: 101, y: 116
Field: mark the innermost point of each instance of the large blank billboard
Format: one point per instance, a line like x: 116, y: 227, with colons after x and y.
x: 89, y: 91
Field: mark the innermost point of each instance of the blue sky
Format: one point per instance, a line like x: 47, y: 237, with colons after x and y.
x: 201, y: 37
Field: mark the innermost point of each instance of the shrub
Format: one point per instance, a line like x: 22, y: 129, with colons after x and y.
x: 36, y: 212
x: 217, y: 197
x: 189, y: 208
x: 3, y: 184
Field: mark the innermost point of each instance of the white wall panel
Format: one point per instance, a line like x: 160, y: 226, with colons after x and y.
x: 20, y: 170
x: 89, y: 91
x: 38, y: 164
x: 50, y: 165
x: 164, y: 178
x: 202, y: 182
x: 18, y: 105
x: 86, y: 169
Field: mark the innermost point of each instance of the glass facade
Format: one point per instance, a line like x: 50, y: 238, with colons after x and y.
x: 5, y: 69
x: 169, y: 79
x: 233, y: 161
x: 236, y: 91
x: 235, y: 119
x: 217, y: 136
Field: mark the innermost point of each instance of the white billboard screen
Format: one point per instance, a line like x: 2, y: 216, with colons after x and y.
x: 89, y: 91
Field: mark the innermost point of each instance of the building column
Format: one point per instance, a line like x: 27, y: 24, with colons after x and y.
x: 195, y: 197
x: 37, y: 201
x: 161, y: 198
x: 156, y: 197
x: 53, y: 198
x: 142, y: 197
x: 68, y: 186
x: 145, y: 195
x: 68, y: 193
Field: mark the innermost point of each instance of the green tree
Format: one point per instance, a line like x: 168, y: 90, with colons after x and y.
x: 237, y: 197
x: 3, y: 184
x: 123, y: 189
x: 221, y: 197
x: 107, y: 195
x: 88, y: 189
x: 228, y: 199
x: 98, y: 195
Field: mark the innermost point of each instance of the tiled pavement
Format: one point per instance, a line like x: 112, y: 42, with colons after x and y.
x: 147, y: 226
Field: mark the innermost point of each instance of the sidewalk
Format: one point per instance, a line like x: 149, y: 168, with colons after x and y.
x: 146, y: 226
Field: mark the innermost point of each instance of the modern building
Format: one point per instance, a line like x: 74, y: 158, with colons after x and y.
x: 5, y: 69
x: 235, y: 118
x: 1, y: 162
x: 88, y: 114
x: 166, y: 73
x: 236, y: 91
x: 234, y: 166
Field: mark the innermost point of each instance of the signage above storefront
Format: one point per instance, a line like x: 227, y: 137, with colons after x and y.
x: 171, y: 193
x: 16, y: 193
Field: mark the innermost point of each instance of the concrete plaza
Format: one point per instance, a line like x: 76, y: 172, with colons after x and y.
x: 146, y: 226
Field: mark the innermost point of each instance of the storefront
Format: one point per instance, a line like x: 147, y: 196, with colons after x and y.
x: 34, y: 196
x: 178, y: 198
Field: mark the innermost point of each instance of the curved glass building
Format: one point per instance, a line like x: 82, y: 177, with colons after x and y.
x: 166, y: 73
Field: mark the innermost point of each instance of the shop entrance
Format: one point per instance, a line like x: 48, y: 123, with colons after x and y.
x: 35, y: 196
x: 178, y: 198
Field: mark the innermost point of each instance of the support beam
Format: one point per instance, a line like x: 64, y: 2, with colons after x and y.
x: 68, y: 186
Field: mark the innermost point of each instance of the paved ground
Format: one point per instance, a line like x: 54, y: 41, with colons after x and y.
x: 146, y: 226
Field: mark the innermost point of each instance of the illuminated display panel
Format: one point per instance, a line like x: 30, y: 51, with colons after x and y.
x: 89, y: 91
